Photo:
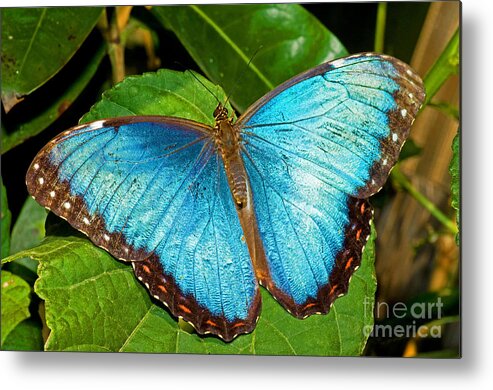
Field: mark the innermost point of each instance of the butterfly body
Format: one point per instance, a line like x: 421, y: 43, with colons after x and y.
x: 278, y: 198
x: 228, y: 145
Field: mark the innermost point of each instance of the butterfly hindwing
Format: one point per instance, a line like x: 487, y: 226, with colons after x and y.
x: 315, y: 148
x: 153, y: 191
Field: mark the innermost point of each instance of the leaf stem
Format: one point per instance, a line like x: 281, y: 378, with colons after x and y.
x: 380, y: 27
x: 401, y: 180
x: 446, y: 108
x: 445, y: 66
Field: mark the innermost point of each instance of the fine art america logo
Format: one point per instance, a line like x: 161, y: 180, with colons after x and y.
x: 419, y: 312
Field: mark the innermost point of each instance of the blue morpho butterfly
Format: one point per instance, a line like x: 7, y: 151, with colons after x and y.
x: 279, y: 198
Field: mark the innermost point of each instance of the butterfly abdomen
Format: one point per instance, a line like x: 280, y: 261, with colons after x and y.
x: 237, y: 180
x: 228, y: 142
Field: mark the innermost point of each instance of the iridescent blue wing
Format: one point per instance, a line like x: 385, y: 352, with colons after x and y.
x: 152, y: 190
x: 315, y: 148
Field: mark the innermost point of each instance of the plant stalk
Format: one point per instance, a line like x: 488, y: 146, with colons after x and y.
x: 401, y: 180
x: 446, y: 66
x: 380, y: 27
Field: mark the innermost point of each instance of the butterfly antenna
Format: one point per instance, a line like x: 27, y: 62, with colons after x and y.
x: 241, y: 75
x: 205, y: 86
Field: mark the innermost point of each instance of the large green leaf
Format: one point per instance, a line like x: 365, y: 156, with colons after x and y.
x: 94, y: 302
x: 37, y: 43
x: 5, y: 219
x: 49, y: 105
x: 166, y: 92
x: 222, y: 39
x: 15, y: 302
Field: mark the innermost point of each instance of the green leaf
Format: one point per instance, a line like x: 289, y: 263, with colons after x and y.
x: 15, y: 302
x: 94, y: 303
x: 29, y: 228
x: 446, y: 65
x: 51, y: 105
x: 454, y: 170
x: 28, y: 231
x: 6, y: 218
x: 165, y: 92
x: 24, y: 337
x: 37, y: 43
x: 288, y: 39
